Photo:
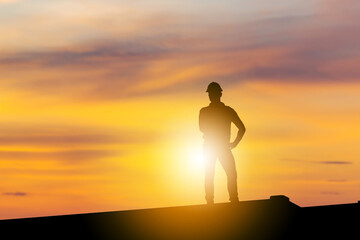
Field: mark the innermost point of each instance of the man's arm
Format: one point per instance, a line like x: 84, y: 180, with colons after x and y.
x: 241, y: 130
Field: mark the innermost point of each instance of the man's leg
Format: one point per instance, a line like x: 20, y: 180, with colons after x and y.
x: 210, y: 158
x: 228, y: 162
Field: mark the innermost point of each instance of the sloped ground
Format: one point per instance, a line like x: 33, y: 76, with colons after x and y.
x: 274, y: 218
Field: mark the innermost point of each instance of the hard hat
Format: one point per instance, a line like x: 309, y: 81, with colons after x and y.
x: 213, y: 87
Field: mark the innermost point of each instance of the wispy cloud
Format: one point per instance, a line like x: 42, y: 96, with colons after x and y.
x: 65, y: 136
x: 317, y: 162
x: 57, y: 139
x: 338, y: 180
x: 336, y: 162
x: 16, y: 194
x: 68, y: 156
x: 331, y: 193
x: 285, y: 48
x: 271, y: 49
x: 87, y: 54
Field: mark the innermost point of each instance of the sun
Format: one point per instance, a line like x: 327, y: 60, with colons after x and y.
x: 195, y: 157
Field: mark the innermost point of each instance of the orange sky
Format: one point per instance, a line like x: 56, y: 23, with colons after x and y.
x: 99, y: 102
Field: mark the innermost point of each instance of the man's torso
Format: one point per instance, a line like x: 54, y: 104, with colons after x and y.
x: 215, y: 122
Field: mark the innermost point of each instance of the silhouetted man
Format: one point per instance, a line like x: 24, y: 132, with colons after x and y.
x: 215, y: 123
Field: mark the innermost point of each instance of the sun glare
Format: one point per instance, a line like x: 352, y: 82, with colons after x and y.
x: 195, y: 158
x: 187, y: 151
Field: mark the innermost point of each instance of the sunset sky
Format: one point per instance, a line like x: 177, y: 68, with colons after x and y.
x: 99, y: 101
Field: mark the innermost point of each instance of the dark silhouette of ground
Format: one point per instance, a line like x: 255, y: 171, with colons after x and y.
x: 274, y: 218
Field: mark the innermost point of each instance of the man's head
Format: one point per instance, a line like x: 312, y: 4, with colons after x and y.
x: 215, y: 92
